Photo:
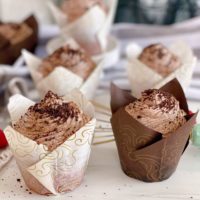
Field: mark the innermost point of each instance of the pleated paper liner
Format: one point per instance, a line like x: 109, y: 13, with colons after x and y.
x: 143, y: 153
x: 91, y: 29
x: 62, y: 80
x: 10, y: 52
x: 142, y: 77
x: 61, y: 170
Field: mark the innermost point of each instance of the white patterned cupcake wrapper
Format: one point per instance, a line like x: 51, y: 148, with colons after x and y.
x: 62, y: 169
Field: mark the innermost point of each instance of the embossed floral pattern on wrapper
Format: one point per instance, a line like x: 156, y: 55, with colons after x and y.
x: 62, y: 80
x: 143, y: 153
x: 91, y: 29
x: 142, y: 77
x: 62, y: 169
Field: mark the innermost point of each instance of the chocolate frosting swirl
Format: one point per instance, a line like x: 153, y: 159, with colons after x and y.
x: 73, y: 59
x: 76, y: 8
x: 160, y: 59
x: 52, y: 121
x: 157, y: 110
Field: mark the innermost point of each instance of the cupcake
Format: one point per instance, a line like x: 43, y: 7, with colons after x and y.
x: 67, y: 68
x: 15, y: 37
x: 87, y: 21
x: 160, y: 63
x: 151, y: 132
x: 51, y: 140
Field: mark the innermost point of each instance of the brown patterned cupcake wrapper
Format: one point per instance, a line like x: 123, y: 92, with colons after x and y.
x: 9, y: 53
x: 143, y: 153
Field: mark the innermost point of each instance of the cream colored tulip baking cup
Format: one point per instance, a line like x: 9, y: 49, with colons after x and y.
x: 62, y: 80
x: 142, y: 77
x: 62, y: 169
x: 94, y: 25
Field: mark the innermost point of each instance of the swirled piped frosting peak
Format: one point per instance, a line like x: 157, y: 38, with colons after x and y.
x: 157, y: 110
x: 76, y: 8
x: 15, y: 33
x: 51, y: 121
x: 74, y: 59
x: 160, y: 59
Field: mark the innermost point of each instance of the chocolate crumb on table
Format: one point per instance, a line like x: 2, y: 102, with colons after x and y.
x: 18, y: 180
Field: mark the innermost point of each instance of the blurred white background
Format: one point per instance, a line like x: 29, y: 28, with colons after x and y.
x: 16, y: 10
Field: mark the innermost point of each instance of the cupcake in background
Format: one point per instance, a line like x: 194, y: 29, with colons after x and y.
x: 151, y: 132
x: 17, y: 36
x: 47, y: 140
x: 66, y: 68
x: 87, y: 21
x: 156, y: 65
